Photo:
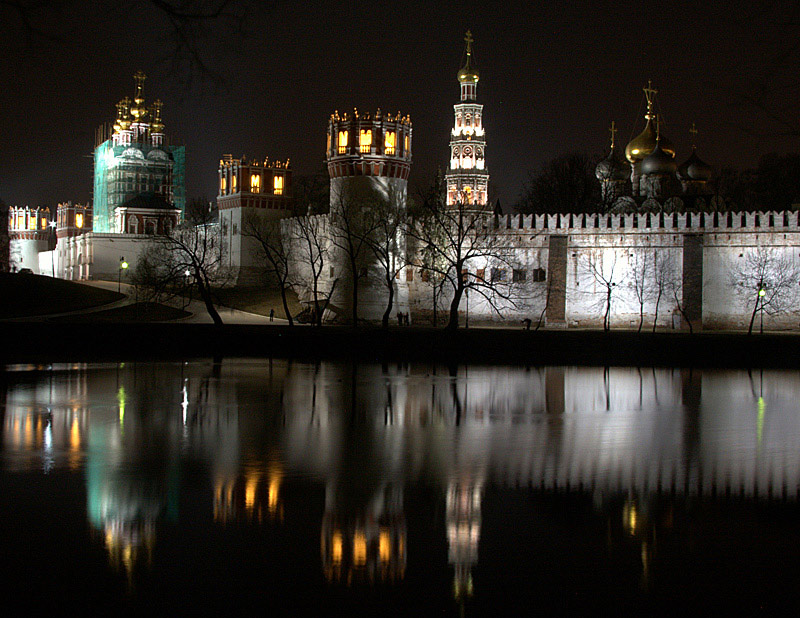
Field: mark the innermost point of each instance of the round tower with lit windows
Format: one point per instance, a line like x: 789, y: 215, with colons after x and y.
x: 467, y: 177
x: 369, y: 160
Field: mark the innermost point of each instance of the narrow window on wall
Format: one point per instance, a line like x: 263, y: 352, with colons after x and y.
x: 79, y: 220
x: 389, y: 142
x: 277, y: 184
x: 365, y: 140
x: 233, y: 183
x: 255, y: 183
x: 407, y: 148
x: 342, y: 142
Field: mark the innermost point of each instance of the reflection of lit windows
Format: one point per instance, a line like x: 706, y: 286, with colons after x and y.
x: 359, y: 549
x: 255, y: 183
x: 79, y: 220
x: 336, y: 548
x: 342, y: 142
x: 223, y: 184
x: 365, y: 140
x: 384, y: 546
x: 277, y: 184
x: 389, y: 142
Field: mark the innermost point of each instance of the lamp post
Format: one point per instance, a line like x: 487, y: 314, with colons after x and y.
x: 123, y: 265
x: 761, y: 293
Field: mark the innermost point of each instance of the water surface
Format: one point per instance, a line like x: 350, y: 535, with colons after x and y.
x: 291, y: 488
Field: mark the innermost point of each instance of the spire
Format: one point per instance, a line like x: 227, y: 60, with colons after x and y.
x: 468, y: 75
x: 613, y: 130
x: 650, y: 95
x: 138, y: 109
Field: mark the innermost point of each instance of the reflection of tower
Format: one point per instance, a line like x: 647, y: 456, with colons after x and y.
x: 463, y: 532
x: 369, y: 160
x: 467, y: 178
x: 364, y: 543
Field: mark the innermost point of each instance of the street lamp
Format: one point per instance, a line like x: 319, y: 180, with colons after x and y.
x: 761, y: 293
x: 123, y: 265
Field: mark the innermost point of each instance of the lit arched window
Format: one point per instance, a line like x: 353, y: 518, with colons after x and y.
x: 233, y: 183
x: 365, y: 140
x: 255, y: 183
x: 342, y: 142
x: 223, y: 184
x: 43, y: 223
x: 31, y: 222
x: 407, y: 145
x: 389, y: 141
x: 277, y: 184
x: 79, y: 220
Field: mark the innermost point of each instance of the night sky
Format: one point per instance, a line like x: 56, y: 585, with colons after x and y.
x: 553, y: 77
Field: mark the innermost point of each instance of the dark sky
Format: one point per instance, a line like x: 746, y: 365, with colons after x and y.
x: 553, y: 76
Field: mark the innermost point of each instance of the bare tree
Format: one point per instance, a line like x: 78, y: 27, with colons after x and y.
x: 276, y: 253
x: 666, y: 280
x: 768, y: 279
x: 189, y: 258
x: 456, y: 239
x: 386, y: 242
x: 354, y: 222
x: 310, y: 235
x: 566, y: 184
x: 604, y: 273
x: 640, y: 281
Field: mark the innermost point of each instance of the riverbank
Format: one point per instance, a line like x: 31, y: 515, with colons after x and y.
x: 42, y: 342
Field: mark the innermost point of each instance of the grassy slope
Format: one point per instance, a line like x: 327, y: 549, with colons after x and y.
x: 257, y: 300
x: 29, y: 295
x: 137, y: 312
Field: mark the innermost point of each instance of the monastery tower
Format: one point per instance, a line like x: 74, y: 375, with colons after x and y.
x: 467, y: 178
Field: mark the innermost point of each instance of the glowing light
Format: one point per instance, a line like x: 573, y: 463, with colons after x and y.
x: 250, y: 491
x: 233, y: 183
x: 121, y: 401
x: 359, y: 549
x: 336, y: 547
x: 384, y: 546
x: 342, y: 142
x: 75, y: 435
x: 255, y: 183
x: 365, y: 140
x: 762, y: 292
x: 277, y: 184
x: 389, y: 142
x: 762, y: 408
x: 223, y: 184
x: 79, y: 220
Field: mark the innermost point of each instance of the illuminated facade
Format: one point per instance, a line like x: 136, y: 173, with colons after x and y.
x: 467, y: 177
x: 250, y: 191
x: 30, y: 232
x: 138, y: 174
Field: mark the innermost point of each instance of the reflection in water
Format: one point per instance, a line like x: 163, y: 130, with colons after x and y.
x: 635, y: 441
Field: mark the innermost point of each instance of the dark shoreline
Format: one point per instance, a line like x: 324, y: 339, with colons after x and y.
x: 44, y: 342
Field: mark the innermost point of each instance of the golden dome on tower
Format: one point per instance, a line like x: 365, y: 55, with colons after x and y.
x: 468, y: 74
x: 645, y: 143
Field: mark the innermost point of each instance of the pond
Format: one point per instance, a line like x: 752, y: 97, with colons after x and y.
x: 282, y: 487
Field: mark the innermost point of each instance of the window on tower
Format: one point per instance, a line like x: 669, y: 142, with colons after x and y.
x: 389, y: 141
x: 342, y: 142
x: 365, y: 140
x: 79, y: 220
x: 233, y: 183
x: 407, y: 145
x: 223, y: 184
x: 32, y: 222
x: 255, y: 183
x: 277, y: 184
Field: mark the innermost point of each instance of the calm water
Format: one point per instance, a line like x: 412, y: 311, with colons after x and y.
x: 289, y: 488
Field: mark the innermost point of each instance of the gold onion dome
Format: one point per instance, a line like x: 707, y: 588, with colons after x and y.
x: 468, y: 74
x: 645, y: 143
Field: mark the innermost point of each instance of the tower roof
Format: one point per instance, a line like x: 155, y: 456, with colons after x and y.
x: 645, y: 143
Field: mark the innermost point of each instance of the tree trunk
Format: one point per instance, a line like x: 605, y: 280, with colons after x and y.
x: 606, y: 320
x: 286, y: 305
x: 655, y: 317
x: 388, y: 313
x: 452, y: 324
x: 753, y: 316
x: 641, y: 318
x: 205, y: 293
x: 354, y: 273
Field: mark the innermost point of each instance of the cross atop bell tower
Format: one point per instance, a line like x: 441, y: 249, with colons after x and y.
x: 468, y: 75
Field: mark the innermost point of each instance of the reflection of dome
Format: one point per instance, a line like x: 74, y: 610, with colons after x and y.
x: 645, y: 143
x: 659, y: 161
x: 157, y: 155
x: 132, y: 153
x: 695, y: 169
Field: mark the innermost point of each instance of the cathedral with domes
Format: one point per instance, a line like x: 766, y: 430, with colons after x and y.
x: 649, y: 178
